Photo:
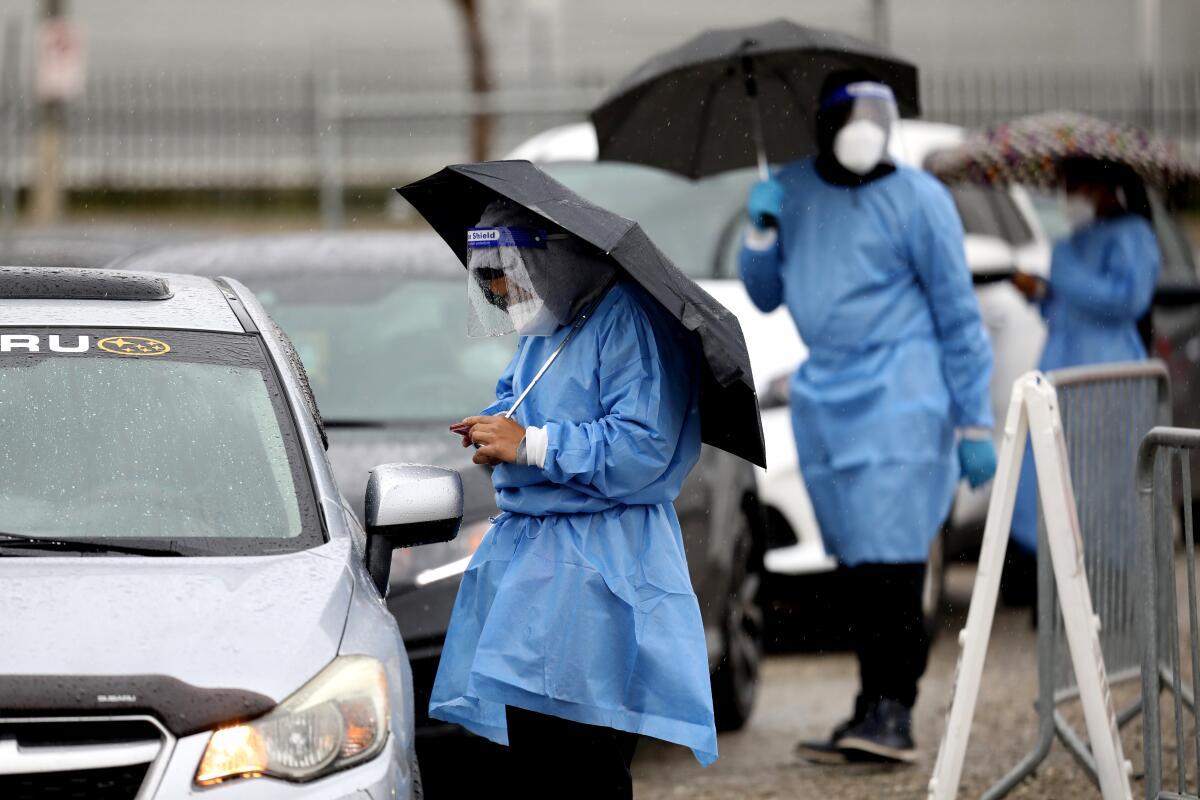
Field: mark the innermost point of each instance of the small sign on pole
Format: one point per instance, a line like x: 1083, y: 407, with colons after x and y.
x: 61, y: 72
x: 1033, y: 413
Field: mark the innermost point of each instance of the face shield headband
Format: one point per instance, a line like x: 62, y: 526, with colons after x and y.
x: 487, y: 272
x: 502, y: 295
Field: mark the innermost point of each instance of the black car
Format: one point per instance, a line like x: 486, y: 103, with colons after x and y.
x: 379, y: 320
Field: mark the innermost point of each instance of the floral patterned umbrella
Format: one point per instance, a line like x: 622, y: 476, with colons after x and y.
x: 1031, y: 150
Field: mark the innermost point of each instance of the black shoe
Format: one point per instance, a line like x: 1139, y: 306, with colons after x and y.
x: 826, y: 751
x: 884, y: 735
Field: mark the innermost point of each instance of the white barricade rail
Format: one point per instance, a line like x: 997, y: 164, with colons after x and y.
x: 1033, y: 413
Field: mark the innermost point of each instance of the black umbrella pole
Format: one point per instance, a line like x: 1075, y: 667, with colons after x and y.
x: 756, y: 123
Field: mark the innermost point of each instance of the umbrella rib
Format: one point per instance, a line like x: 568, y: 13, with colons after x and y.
x: 702, y: 140
x: 791, y: 89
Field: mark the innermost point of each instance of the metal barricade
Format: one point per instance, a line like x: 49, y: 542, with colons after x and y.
x: 1106, y: 410
x: 1162, y: 657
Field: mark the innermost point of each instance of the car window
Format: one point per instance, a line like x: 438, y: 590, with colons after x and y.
x: 1049, y: 214
x: 686, y: 219
x: 1016, y: 228
x: 989, y: 211
x: 378, y: 347
x: 1178, y: 260
x: 155, y: 435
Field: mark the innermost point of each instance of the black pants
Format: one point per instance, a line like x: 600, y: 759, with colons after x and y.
x: 558, y: 758
x: 887, y: 627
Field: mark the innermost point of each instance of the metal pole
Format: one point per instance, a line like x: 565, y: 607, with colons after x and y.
x: 1149, y: 42
x: 47, y: 199
x: 9, y: 103
x: 327, y: 132
x: 756, y: 123
x: 880, y: 28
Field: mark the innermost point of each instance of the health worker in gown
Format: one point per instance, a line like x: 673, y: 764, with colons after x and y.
x: 891, y: 407
x: 576, y: 629
x: 1102, y: 280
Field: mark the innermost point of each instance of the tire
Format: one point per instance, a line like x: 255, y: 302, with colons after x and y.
x: 933, y: 591
x: 735, y: 681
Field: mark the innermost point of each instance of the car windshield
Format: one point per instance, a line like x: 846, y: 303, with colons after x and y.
x: 990, y: 212
x: 168, y: 437
x: 382, y: 348
x: 688, y: 220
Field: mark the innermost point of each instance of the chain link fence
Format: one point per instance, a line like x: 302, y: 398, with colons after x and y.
x: 287, y: 128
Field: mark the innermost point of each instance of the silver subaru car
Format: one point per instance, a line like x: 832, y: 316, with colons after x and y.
x: 188, y: 605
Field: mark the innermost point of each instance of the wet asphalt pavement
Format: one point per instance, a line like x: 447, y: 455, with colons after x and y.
x: 803, y: 695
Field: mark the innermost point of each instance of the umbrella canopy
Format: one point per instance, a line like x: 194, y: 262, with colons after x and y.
x: 688, y: 110
x: 453, y: 200
x: 1032, y: 150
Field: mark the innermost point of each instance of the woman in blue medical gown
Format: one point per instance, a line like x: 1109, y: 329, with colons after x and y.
x: 1102, y: 279
x: 576, y: 629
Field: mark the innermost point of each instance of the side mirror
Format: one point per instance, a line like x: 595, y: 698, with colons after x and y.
x: 408, y: 505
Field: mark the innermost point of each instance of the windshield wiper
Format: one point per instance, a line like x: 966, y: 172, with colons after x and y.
x: 16, y: 541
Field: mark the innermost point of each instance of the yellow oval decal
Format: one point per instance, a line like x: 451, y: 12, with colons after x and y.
x: 133, y: 346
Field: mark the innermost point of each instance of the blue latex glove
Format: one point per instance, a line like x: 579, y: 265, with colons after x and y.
x: 978, y: 460
x: 765, y: 204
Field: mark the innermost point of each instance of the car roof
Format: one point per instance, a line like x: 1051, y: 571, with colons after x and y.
x: 92, y: 245
x: 195, y: 303
x: 406, y: 253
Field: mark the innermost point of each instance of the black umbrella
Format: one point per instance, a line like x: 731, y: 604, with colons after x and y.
x: 728, y: 98
x: 453, y: 200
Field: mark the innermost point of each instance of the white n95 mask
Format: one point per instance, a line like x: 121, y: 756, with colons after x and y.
x: 860, y: 146
x: 1079, y: 210
x: 532, y: 318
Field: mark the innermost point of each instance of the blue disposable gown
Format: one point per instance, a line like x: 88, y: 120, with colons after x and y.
x: 1102, y: 280
x: 578, y: 602
x: 876, y: 281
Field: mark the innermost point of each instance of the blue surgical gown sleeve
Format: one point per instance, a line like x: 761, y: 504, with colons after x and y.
x: 935, y: 241
x: 504, y: 391
x: 1122, y: 287
x: 644, y: 390
x: 761, y: 269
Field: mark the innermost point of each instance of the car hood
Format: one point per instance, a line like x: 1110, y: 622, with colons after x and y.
x: 205, y: 622
x: 353, y: 452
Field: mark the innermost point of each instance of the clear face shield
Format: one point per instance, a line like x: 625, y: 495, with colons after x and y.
x: 501, y: 296
x: 861, y: 143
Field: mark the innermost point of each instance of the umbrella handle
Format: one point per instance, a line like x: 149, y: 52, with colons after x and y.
x: 756, y: 123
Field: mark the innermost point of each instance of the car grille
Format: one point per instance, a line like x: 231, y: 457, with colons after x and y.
x: 115, y: 783
x: 84, y: 758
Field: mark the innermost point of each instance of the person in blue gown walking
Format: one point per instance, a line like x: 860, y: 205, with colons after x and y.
x: 576, y: 628
x: 868, y: 258
x: 1102, y: 280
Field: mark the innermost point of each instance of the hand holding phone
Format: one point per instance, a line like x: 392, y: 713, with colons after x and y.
x: 464, y: 430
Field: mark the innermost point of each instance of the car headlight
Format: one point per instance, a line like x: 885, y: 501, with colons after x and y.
x: 336, y: 720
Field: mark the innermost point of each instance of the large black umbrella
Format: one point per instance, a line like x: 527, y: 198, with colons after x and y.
x: 733, y: 97
x: 453, y: 200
